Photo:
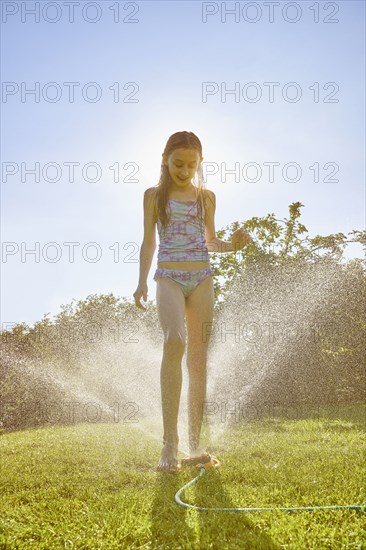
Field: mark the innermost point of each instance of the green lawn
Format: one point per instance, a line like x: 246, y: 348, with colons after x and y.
x: 95, y: 486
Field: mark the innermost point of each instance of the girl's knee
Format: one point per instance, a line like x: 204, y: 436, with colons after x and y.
x: 174, y: 341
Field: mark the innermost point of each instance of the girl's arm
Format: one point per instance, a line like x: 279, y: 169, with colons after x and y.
x: 240, y: 237
x: 149, y: 242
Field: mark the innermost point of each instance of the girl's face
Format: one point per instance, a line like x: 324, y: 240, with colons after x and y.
x: 182, y: 164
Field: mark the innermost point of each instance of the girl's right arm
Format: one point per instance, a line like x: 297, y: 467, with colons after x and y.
x: 147, y: 248
x: 149, y: 242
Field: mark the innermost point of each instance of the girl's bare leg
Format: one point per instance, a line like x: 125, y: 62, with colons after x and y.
x: 171, y: 309
x: 199, y: 316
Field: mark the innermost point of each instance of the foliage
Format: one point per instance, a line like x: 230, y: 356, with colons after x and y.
x: 277, y: 242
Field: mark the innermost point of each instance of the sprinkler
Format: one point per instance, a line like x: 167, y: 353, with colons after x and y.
x: 205, y: 460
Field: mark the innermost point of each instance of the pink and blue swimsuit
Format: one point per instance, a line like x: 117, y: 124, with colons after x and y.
x: 183, y: 240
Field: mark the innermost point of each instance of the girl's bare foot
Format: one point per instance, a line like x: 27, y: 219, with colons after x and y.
x: 168, y: 459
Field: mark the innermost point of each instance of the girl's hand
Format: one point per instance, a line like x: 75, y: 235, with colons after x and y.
x: 240, y: 238
x: 141, y: 291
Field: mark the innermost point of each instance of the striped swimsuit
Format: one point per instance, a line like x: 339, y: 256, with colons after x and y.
x: 183, y: 240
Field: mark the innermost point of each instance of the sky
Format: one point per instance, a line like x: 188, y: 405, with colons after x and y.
x: 113, y: 80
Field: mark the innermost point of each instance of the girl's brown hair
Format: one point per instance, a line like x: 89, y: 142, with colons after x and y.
x: 179, y: 140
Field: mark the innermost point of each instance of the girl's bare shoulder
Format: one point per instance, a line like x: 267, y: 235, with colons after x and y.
x: 210, y: 196
x: 150, y: 196
x: 150, y: 192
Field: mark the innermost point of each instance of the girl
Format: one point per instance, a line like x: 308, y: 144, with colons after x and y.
x: 183, y: 210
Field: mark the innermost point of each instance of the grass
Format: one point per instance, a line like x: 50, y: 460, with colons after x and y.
x: 92, y: 486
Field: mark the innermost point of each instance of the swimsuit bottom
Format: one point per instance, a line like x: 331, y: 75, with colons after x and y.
x: 186, y: 279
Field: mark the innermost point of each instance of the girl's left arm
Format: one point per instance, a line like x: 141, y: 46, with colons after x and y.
x: 239, y: 237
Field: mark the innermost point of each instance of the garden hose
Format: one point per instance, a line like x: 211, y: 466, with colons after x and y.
x: 200, y: 509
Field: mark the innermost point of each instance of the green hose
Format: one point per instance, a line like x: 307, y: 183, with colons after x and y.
x: 202, y: 471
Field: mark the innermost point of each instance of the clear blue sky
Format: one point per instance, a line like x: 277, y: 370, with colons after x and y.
x: 169, y: 52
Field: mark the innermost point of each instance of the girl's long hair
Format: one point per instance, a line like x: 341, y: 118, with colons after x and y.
x: 186, y: 140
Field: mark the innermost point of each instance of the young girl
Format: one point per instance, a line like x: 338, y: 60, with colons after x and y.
x: 183, y: 210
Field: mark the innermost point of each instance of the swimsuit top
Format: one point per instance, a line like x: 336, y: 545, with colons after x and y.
x: 183, y: 239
